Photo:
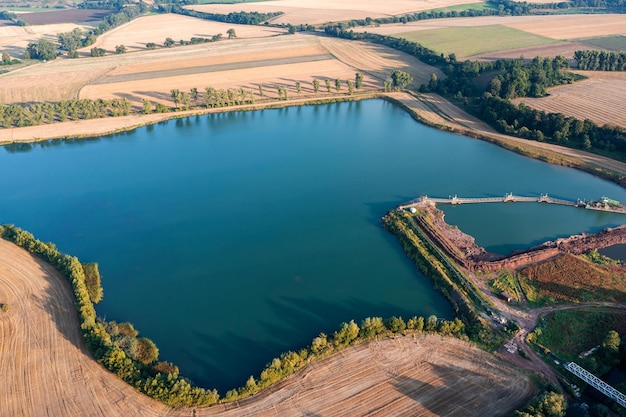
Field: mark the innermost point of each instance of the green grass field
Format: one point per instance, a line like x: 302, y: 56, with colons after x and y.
x: 610, y: 43
x: 468, y: 41
x: 463, y: 7
x: 585, y: 329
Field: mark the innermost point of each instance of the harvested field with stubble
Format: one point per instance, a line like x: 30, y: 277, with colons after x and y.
x: 262, y: 59
x: 48, y: 371
x: 298, y: 12
x: 567, y: 28
x: 136, y: 34
x: 15, y: 39
x: 599, y: 98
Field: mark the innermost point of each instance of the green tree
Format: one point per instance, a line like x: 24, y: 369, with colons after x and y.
x: 175, y: 93
x: 71, y: 42
x: 611, y: 341
x: 93, y: 282
x: 147, y: 106
x: 169, y: 42
x: 328, y: 86
x: 260, y: 90
x: 291, y: 29
x: 145, y: 351
x: 337, y: 84
x: 400, y: 79
x: 372, y: 326
x: 97, y: 52
x: 548, y: 404
x: 231, y: 33
x: 396, y: 324
x: 298, y: 87
x: 194, y: 95
x: 42, y: 49
x: 151, y: 45
x: 316, y: 86
x: 6, y: 58
x: 433, y: 83
x: 126, y: 329
x: 346, y: 334
x: 358, y: 82
x: 431, y: 324
x: 350, y: 87
x: 120, y: 49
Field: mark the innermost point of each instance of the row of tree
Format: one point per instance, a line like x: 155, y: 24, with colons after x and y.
x: 510, y: 78
x: 135, y: 360
x: 13, y: 17
x: 531, y: 80
x: 7, y: 60
x: 16, y: 115
x: 601, y: 60
x: 523, y: 121
x: 70, y: 42
x: 34, y: 114
x: 349, y: 334
x: 115, y: 346
x: 240, y: 18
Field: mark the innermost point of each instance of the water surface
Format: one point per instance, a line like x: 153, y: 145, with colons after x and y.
x: 230, y: 238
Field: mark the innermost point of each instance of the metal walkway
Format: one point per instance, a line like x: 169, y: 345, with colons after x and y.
x: 597, y: 383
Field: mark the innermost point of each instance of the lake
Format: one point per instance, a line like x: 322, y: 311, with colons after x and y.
x: 230, y: 238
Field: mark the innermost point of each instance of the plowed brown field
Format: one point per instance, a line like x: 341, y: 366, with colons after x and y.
x: 599, y: 98
x: 47, y: 370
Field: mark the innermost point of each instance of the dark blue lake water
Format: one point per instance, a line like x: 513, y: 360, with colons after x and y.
x: 230, y: 238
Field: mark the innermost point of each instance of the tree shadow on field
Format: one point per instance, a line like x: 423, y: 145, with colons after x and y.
x: 449, y: 390
x: 157, y: 95
x: 58, y: 302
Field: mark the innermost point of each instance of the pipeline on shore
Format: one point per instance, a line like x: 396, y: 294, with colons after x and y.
x: 604, y: 204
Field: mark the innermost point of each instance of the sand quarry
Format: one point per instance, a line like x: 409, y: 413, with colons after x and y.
x: 42, y: 356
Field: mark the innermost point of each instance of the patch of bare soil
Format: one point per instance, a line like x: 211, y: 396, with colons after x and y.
x: 64, y: 16
x: 48, y: 371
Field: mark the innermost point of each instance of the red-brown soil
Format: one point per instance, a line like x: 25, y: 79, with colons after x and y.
x: 64, y: 16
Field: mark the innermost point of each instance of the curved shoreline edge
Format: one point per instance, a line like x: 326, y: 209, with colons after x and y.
x: 429, y: 109
x: 403, y: 100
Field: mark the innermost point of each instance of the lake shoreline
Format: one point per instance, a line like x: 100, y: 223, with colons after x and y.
x: 429, y: 109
